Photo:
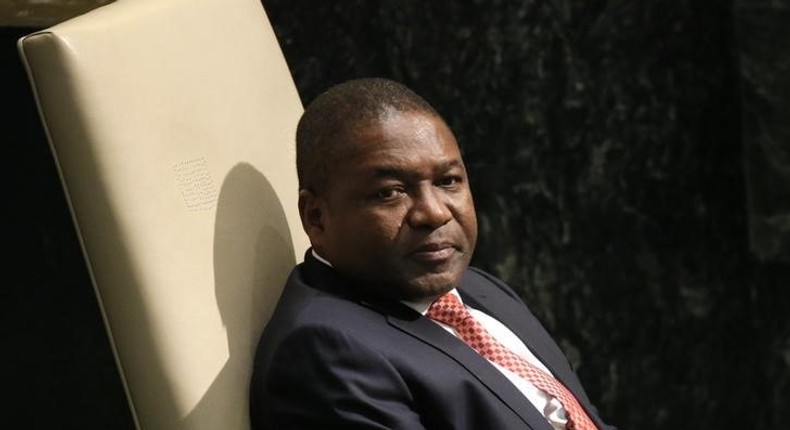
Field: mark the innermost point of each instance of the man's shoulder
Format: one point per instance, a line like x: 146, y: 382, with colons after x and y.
x: 476, y: 272
x: 320, y: 299
x: 476, y: 278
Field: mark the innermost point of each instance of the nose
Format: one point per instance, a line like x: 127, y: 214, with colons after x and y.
x: 429, y: 209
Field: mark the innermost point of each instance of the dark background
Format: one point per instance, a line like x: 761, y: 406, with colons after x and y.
x: 631, y: 169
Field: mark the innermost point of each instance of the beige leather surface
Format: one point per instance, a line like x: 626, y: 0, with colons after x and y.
x: 172, y: 124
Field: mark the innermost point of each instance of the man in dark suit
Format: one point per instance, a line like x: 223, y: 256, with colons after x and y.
x: 355, y: 341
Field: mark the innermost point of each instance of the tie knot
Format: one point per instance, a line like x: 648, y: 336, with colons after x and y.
x: 449, y: 310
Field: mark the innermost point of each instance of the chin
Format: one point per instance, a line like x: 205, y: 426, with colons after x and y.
x: 433, y: 285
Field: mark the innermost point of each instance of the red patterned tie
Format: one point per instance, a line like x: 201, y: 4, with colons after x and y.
x: 449, y: 310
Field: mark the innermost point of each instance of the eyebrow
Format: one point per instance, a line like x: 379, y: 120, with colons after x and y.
x: 392, y: 171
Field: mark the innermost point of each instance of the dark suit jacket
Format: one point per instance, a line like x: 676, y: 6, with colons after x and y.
x: 333, y: 357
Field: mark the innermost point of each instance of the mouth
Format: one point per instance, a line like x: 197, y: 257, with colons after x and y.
x: 434, y: 253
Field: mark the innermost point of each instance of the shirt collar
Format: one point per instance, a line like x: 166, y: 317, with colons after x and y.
x: 422, y: 305
x: 320, y: 258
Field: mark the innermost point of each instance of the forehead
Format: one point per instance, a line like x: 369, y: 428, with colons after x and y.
x: 400, y: 138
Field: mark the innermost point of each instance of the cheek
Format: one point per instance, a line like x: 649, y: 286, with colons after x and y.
x: 465, y: 209
x: 471, y: 229
x: 368, y: 231
x: 383, y: 227
x: 467, y: 217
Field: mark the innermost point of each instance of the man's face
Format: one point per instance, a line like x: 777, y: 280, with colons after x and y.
x: 397, y: 212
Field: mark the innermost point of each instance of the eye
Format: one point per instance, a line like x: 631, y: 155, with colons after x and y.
x: 390, y: 193
x: 449, y: 182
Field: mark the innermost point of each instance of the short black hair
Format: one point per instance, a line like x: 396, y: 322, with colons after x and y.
x: 337, y: 113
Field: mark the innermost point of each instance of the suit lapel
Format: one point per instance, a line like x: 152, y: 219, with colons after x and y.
x: 512, y: 315
x: 524, y: 325
x: 435, y: 336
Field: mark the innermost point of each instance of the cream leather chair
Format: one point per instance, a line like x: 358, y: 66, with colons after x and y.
x: 172, y: 124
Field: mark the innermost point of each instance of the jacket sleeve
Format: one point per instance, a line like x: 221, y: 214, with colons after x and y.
x: 323, y: 378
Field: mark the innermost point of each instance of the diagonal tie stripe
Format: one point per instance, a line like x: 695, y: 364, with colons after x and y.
x: 449, y: 310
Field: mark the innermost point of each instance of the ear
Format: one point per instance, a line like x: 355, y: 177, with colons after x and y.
x: 312, y: 210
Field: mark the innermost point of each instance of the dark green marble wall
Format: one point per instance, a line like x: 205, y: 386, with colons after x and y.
x: 764, y: 48
x: 618, y: 152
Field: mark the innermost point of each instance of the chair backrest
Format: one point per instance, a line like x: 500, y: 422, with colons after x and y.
x: 172, y: 124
